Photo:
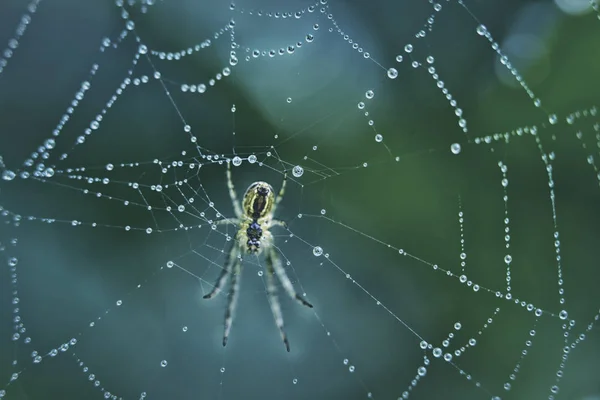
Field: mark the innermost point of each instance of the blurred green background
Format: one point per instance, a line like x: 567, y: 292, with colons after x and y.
x: 303, y: 109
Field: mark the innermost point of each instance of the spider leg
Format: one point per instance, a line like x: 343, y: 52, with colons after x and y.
x: 220, y: 282
x: 232, y: 299
x: 279, y: 222
x: 285, y: 281
x: 274, y: 302
x: 236, y: 204
x: 227, y: 221
x: 281, y: 191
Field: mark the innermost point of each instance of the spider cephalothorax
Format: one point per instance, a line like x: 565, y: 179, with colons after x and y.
x: 254, y: 217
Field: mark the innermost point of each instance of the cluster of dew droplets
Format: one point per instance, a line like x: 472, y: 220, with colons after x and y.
x: 482, y: 31
x: 547, y: 159
x: 437, y: 7
x: 408, y: 48
x: 127, y: 81
x: 13, y: 42
x: 421, y: 373
x: 279, y: 15
x: 179, y: 55
x: 19, y: 327
x: 504, y: 137
x: 351, y: 367
x: 437, y: 352
x: 202, y: 87
x: 589, y: 152
x: 93, y: 379
x: 369, y: 95
x: 253, y: 53
x: 225, y: 72
x: 463, y: 254
x: 528, y: 343
x: 355, y: 45
x: 462, y: 122
x: 472, y: 341
x: 508, y: 257
x: 43, y: 152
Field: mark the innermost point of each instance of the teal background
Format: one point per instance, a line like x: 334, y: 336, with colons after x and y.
x: 70, y: 276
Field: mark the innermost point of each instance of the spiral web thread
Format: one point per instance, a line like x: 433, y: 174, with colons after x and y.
x: 170, y: 193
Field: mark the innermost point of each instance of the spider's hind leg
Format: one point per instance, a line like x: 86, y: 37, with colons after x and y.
x: 274, y: 302
x: 232, y: 299
x: 222, y: 279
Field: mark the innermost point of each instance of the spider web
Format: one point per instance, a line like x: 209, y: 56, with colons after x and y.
x: 442, y: 203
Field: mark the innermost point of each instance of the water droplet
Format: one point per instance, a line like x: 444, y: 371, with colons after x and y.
x: 297, y: 171
x: 317, y: 251
x: 8, y: 175
x: 563, y: 315
x: 237, y: 161
x: 163, y: 363
x: 392, y: 73
x: 455, y: 148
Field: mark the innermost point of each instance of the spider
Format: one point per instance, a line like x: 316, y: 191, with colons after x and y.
x: 254, y: 216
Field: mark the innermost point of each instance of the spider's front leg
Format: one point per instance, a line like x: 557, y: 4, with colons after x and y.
x: 279, y: 222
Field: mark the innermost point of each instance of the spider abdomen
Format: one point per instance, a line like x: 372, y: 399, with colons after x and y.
x: 253, y: 233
